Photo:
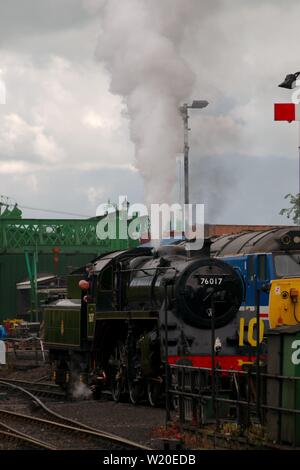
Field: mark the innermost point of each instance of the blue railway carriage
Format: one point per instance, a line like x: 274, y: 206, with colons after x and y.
x: 259, y: 257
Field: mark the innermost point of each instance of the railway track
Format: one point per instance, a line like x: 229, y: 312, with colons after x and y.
x: 22, y: 440
x: 41, y: 389
x: 58, y: 425
x: 65, y: 435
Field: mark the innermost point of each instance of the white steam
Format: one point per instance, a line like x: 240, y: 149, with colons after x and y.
x: 81, y: 391
x: 140, y: 44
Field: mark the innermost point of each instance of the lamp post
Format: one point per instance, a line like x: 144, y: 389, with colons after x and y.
x: 196, y: 104
x: 289, y: 83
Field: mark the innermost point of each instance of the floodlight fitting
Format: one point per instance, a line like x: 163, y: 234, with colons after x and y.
x: 289, y: 80
x: 198, y: 104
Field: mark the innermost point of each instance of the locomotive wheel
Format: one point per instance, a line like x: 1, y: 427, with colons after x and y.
x: 117, y: 372
x: 136, y: 390
x: 154, y: 391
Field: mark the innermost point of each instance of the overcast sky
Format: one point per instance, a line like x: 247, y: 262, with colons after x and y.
x: 67, y: 142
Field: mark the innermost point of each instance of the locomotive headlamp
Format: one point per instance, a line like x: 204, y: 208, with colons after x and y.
x: 289, y: 80
x: 286, y: 240
x: 290, y: 239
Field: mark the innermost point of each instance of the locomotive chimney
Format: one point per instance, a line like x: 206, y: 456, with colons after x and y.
x: 204, y: 251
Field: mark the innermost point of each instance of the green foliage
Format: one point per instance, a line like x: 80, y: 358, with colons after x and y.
x: 292, y: 212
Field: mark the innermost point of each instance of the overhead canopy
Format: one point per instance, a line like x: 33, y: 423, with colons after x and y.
x: 45, y: 284
x: 26, y: 284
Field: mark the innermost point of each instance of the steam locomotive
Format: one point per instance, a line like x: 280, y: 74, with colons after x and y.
x: 138, y: 308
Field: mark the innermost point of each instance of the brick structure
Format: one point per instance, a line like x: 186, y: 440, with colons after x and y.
x: 215, y: 230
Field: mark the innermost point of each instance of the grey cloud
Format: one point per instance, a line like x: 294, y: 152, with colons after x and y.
x: 241, y: 189
x: 68, y: 190
x: 27, y: 17
x: 237, y: 53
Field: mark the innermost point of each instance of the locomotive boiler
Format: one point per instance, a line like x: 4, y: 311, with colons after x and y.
x: 139, y: 308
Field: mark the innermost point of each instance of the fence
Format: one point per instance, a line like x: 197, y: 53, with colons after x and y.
x: 247, y: 397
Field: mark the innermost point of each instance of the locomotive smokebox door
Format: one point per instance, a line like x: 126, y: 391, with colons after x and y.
x: 204, y: 282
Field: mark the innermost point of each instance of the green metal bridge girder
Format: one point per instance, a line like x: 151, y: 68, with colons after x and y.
x: 71, y: 236
x: 75, y: 239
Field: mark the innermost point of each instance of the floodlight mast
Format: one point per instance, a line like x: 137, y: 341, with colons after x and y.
x: 196, y: 104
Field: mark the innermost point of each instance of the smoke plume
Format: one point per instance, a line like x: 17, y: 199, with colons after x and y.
x: 81, y: 391
x: 140, y: 44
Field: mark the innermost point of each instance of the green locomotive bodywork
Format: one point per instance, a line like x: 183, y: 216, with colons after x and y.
x: 80, y: 336
x: 63, y: 327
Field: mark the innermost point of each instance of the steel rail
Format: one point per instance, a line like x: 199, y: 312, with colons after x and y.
x: 111, y: 438
x: 69, y: 423
x: 21, y: 437
x: 37, y: 387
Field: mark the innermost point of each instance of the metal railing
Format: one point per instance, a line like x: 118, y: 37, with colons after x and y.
x: 234, y: 399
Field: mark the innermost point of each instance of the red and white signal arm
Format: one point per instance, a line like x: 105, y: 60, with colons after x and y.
x: 286, y: 112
